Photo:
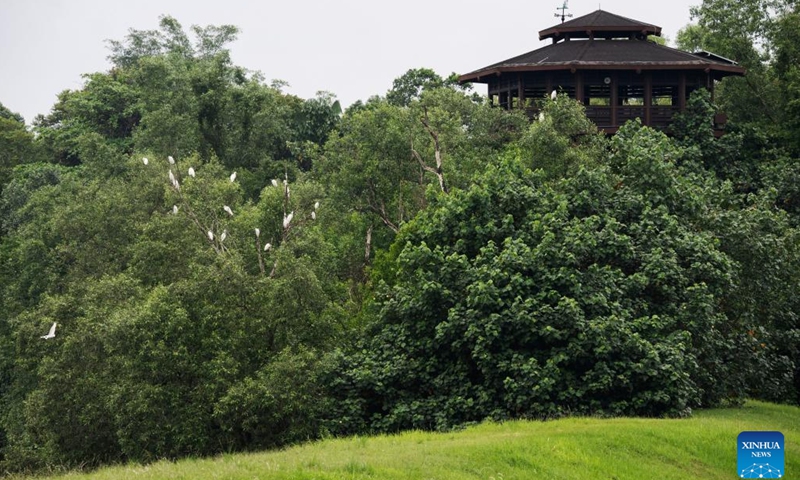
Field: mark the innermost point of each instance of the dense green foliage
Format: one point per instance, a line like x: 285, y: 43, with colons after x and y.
x: 230, y: 267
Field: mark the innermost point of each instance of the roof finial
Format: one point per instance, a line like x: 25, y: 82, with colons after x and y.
x: 563, y: 9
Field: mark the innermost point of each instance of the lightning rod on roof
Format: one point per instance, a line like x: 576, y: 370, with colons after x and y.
x: 563, y: 9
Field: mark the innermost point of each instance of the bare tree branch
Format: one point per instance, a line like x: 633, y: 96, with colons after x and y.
x: 437, y: 152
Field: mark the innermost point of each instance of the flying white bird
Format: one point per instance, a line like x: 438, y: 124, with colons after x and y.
x: 51, y: 333
x: 223, y: 236
x: 258, y: 232
x: 267, y: 247
x: 274, y: 183
x: 313, y: 215
x: 211, y: 235
x: 191, y: 172
x: 287, y: 220
x: 171, y: 160
x: 228, y: 209
x: 553, y: 95
x: 233, y: 177
x: 172, y: 177
x: 316, y: 205
x: 174, y: 209
x: 145, y: 160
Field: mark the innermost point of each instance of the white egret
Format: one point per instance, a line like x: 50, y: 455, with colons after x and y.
x: 541, y: 116
x: 191, y: 172
x: 51, y: 333
x: 316, y: 205
x: 274, y: 183
x: 267, y: 247
x: 287, y: 220
x: 233, y: 177
x: 258, y: 232
x: 211, y: 235
x: 171, y: 160
x: 313, y: 215
x: 176, y: 185
x: 223, y: 236
x: 228, y: 209
x: 172, y: 177
x: 174, y: 209
x: 145, y: 160
x: 553, y: 95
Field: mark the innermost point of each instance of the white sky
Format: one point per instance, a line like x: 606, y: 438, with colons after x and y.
x: 352, y: 48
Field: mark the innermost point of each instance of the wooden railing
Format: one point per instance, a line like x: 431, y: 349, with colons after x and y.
x: 601, y: 116
x: 661, y: 117
x: 629, y: 113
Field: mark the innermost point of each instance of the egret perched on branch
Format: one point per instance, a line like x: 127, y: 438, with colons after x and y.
x: 174, y: 209
x: 171, y: 160
x: 233, y: 177
x: 223, y: 236
x: 145, y: 160
x: 211, y: 235
x: 316, y: 205
x: 267, y: 247
x: 228, y: 209
x: 258, y: 232
x: 191, y: 172
x: 313, y: 215
x: 553, y: 95
x: 287, y: 220
x: 51, y: 333
x: 172, y: 177
x: 274, y: 183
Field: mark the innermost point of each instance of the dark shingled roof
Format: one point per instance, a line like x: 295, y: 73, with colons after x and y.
x: 599, y: 24
x: 601, y: 53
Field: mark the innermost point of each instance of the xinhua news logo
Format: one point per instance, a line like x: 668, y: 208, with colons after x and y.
x: 760, y: 455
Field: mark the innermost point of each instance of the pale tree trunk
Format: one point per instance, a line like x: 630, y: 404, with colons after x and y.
x: 437, y: 151
x: 368, y: 246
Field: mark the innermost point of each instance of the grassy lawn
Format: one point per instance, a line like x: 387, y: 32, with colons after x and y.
x: 702, y: 447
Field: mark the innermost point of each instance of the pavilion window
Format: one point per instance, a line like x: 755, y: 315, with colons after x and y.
x: 665, y: 95
x: 597, y: 95
x: 536, y: 92
x: 630, y: 95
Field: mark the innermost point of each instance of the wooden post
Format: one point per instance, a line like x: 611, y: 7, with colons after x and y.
x: 579, y: 86
x: 682, y: 92
x: 648, y: 96
x: 521, y: 91
x: 614, y: 99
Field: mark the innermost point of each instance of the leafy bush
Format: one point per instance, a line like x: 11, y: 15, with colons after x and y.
x: 522, y: 298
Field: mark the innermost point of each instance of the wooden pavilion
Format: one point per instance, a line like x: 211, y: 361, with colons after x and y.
x: 606, y: 62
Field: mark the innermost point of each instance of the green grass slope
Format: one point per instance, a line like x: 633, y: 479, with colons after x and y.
x: 703, y: 446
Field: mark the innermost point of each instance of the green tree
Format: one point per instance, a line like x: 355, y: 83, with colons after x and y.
x: 410, y: 85
x: 17, y: 144
x: 528, y: 297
